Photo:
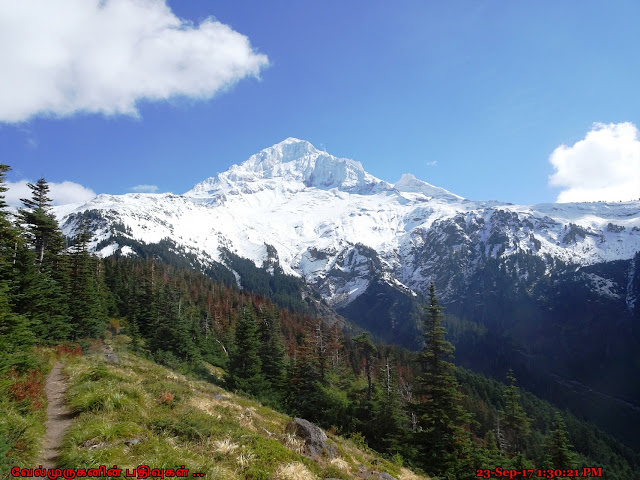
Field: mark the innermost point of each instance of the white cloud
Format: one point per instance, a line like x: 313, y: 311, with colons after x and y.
x: 145, y: 188
x: 60, y: 193
x: 60, y: 57
x: 605, y: 165
x: 432, y: 163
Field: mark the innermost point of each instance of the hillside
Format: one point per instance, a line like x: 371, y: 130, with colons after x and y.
x: 139, y: 413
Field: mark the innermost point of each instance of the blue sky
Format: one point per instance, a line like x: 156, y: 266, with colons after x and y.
x: 476, y: 97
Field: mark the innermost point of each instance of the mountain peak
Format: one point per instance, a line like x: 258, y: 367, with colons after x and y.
x: 297, y: 161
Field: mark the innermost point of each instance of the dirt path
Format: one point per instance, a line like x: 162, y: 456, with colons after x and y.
x: 58, y: 416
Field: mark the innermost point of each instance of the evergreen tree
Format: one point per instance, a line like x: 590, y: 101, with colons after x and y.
x: 245, y: 367
x: 272, y: 351
x: 442, y: 440
x: 321, y: 348
x: 515, y: 422
x: 304, y: 394
x: 15, y: 335
x: 389, y: 418
x: 368, y: 349
x: 42, y: 277
x: 42, y: 227
x: 559, y: 454
x: 87, y: 309
x: 8, y: 234
x: 8, y: 239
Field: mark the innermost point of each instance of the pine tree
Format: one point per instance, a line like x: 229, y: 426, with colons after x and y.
x: 245, y: 368
x: 559, y: 454
x: 515, y: 422
x: 444, y: 444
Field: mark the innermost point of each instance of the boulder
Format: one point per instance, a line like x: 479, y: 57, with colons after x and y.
x: 316, y: 443
x: 386, y: 476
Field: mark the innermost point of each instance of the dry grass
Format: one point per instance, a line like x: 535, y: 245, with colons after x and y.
x: 406, y: 474
x: 340, y: 463
x: 293, y: 471
x: 225, y: 446
x: 293, y: 443
x: 245, y: 459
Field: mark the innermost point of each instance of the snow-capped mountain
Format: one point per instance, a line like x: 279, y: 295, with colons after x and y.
x: 328, y: 220
x: 545, y: 289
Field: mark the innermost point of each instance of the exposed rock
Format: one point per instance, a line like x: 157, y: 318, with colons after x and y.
x: 316, y: 443
x: 369, y: 475
x: 111, y: 358
x: 386, y: 476
x: 109, y: 354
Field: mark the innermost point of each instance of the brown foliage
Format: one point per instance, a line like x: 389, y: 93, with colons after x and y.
x: 72, y: 350
x: 167, y: 397
x: 28, y: 387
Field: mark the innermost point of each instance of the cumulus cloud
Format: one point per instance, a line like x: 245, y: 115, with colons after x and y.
x: 60, y: 193
x: 432, y: 163
x: 605, y: 165
x: 145, y: 189
x: 60, y: 57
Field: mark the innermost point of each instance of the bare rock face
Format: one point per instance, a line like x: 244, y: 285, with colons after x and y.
x: 316, y: 442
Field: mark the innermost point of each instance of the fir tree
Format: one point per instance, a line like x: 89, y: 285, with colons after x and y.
x: 303, y: 396
x: 272, y: 351
x: 8, y: 239
x: 515, y: 422
x: 389, y: 418
x: 88, y: 315
x: 559, y: 454
x: 444, y: 444
x: 368, y: 349
x: 42, y: 227
x: 245, y: 367
x: 42, y: 280
x: 15, y: 335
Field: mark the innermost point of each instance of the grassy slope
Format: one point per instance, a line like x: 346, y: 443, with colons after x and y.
x: 176, y: 421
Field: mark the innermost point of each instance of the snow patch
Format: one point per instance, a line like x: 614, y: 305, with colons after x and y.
x: 602, y: 286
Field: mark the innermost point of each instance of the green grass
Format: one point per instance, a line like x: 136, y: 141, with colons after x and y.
x: 140, y: 413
